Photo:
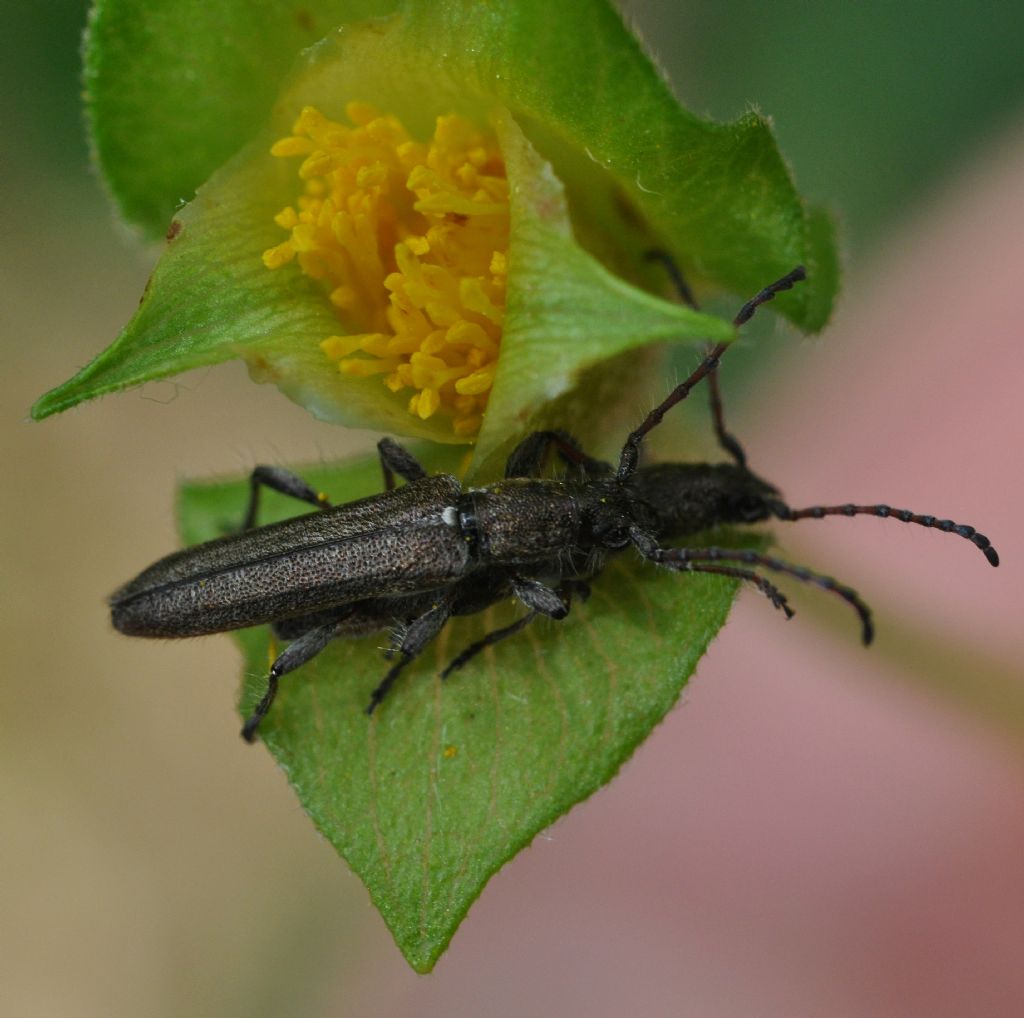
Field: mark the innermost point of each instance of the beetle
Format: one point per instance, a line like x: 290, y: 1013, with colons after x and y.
x: 418, y: 554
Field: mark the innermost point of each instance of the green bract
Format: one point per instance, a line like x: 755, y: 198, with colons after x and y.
x: 579, y: 96
x: 184, y: 101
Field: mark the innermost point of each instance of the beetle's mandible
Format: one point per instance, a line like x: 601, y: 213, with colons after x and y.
x: 418, y: 554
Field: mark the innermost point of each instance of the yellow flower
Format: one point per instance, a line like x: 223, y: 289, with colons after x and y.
x: 410, y: 238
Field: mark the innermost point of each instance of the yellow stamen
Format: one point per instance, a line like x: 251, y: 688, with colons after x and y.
x: 410, y: 238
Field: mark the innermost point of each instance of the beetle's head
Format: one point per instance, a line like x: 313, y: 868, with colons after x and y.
x: 684, y: 498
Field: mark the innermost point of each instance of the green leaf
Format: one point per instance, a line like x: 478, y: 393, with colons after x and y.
x: 446, y: 782
x: 173, y: 89
x: 566, y: 81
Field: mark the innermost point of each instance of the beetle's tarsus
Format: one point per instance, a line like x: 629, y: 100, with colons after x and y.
x: 249, y: 729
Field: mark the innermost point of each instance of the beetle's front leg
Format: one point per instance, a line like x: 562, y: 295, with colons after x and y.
x: 395, y: 459
x: 687, y: 560
x: 707, y: 560
x: 286, y: 483
x: 304, y: 649
x: 418, y: 634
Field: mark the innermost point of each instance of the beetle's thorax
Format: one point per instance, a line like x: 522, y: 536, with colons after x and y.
x: 608, y: 510
x: 519, y: 520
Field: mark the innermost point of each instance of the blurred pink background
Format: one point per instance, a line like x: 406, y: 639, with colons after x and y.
x: 816, y: 830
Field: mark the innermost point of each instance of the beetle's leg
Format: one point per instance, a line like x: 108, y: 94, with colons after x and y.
x: 527, y: 458
x: 298, y: 625
x: 691, y: 559
x: 283, y: 481
x: 570, y: 588
x: 850, y: 596
x: 675, y: 274
x: 629, y: 458
x: 394, y: 459
x: 304, y: 649
x: 487, y: 641
x: 418, y: 634
x: 539, y: 597
x: 576, y: 588
x: 770, y: 591
x: 725, y: 440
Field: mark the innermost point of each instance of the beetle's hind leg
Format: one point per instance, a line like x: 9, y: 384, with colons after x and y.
x: 304, y: 649
x: 396, y: 459
x: 283, y: 481
x: 418, y: 634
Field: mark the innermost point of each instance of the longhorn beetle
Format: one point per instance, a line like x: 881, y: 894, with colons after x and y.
x: 420, y: 553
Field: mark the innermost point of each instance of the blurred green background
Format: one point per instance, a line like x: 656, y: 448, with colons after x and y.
x: 154, y: 865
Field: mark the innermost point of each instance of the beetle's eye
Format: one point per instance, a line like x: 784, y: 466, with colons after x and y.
x: 615, y: 536
x: 751, y: 508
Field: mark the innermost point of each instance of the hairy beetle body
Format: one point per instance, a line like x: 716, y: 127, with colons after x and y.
x: 399, y: 541
x: 412, y: 557
x: 520, y: 520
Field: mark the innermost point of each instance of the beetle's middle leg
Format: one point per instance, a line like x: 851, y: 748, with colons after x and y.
x: 488, y: 640
x: 567, y: 589
x: 297, y: 653
x: 283, y: 481
x: 416, y: 637
x: 541, y: 598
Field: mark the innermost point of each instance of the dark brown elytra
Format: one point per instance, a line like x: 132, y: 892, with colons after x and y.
x: 416, y: 555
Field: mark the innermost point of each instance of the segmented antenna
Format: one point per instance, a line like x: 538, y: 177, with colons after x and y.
x: 630, y: 456
x: 727, y: 441
x: 886, y: 512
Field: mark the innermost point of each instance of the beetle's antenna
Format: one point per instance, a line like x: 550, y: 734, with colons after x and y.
x: 630, y: 456
x: 817, y: 512
x: 728, y: 442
